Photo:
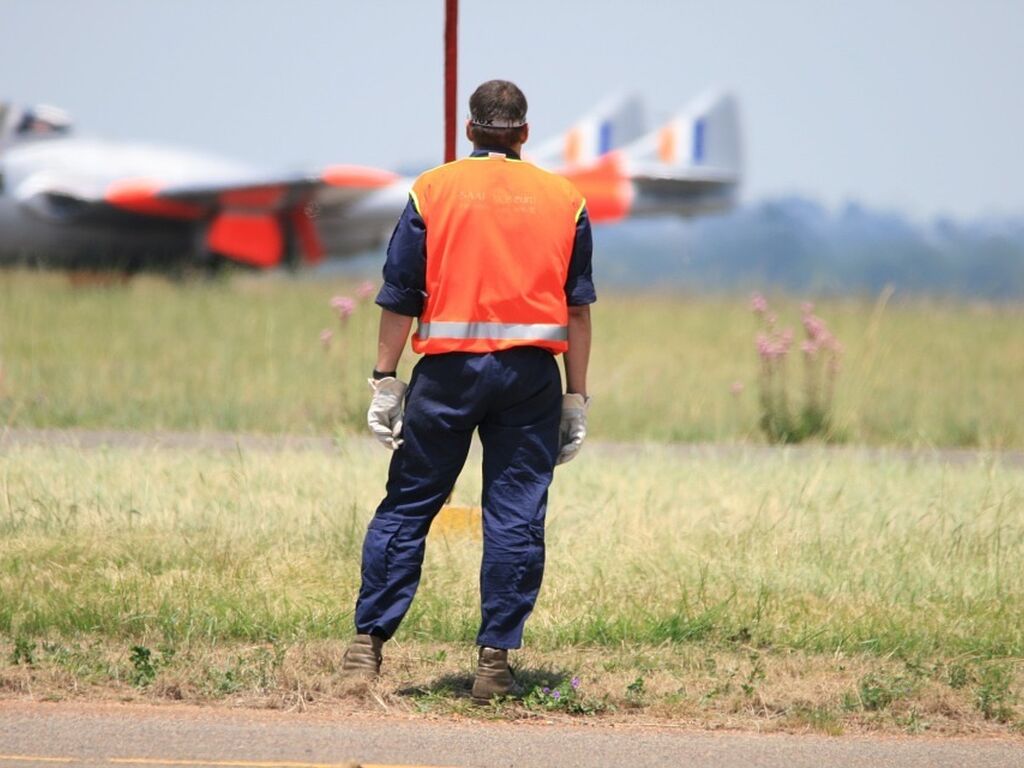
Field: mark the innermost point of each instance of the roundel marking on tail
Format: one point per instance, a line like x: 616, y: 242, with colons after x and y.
x: 667, y: 144
x: 605, y: 136
x: 698, y: 141
x: 573, y: 147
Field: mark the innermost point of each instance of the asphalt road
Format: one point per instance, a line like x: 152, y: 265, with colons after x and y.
x: 124, y: 735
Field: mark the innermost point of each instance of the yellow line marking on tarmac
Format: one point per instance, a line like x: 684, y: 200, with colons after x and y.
x: 255, y: 763
x: 217, y: 763
x: 230, y: 763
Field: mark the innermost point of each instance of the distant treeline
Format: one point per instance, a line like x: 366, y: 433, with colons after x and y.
x: 797, y: 245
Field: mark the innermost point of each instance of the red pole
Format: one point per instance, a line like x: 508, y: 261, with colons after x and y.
x: 451, y: 56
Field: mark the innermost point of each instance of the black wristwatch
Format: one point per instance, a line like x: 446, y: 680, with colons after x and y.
x: 378, y: 375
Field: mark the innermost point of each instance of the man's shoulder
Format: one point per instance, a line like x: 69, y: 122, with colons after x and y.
x: 431, y: 173
x: 445, y: 173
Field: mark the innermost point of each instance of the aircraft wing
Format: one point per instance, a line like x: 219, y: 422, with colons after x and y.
x: 246, y: 218
x: 249, y: 222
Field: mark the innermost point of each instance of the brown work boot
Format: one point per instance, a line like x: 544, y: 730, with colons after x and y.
x: 493, y: 677
x: 363, y: 657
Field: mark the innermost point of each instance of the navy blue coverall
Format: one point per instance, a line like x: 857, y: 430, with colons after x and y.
x: 514, y: 398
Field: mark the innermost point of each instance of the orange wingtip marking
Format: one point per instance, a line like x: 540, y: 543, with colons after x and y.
x: 606, y: 187
x: 358, y: 176
x: 143, y: 196
x: 255, y: 197
x: 253, y: 239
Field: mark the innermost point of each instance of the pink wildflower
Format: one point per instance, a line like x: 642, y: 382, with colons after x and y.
x: 815, y: 327
x: 365, y: 290
x: 736, y: 388
x: 344, y: 306
x: 758, y: 304
x: 325, y: 337
x: 809, y: 347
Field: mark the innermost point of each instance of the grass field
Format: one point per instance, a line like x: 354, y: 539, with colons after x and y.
x: 826, y: 590
x: 245, y: 354
x: 820, y: 589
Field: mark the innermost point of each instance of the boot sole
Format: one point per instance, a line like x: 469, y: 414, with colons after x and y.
x: 513, y: 692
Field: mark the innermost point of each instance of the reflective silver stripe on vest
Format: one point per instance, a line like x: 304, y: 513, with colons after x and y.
x: 523, y: 331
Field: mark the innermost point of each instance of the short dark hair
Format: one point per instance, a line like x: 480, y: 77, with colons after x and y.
x: 502, y: 103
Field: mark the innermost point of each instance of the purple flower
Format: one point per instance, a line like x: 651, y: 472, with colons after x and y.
x: 343, y: 305
x: 575, y: 683
x: 545, y: 689
x: 758, y: 304
x: 556, y: 695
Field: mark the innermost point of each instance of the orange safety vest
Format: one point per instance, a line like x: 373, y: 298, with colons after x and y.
x: 500, y: 235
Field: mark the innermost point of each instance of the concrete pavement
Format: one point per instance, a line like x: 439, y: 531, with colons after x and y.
x: 36, y: 735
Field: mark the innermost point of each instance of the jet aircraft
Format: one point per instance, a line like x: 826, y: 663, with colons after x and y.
x: 79, y: 203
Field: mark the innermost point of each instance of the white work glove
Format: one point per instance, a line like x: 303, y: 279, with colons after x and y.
x: 573, y: 428
x: 385, y: 413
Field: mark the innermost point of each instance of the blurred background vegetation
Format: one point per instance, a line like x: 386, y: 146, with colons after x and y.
x: 249, y: 353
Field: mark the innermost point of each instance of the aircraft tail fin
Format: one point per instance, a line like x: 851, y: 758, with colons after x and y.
x: 614, y: 123
x: 701, y: 140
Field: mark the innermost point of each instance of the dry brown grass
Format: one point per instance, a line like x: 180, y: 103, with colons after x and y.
x: 688, y: 686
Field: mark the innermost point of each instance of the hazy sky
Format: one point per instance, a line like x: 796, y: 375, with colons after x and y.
x: 903, y: 104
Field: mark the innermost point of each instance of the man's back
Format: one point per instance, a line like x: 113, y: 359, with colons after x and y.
x: 499, y: 239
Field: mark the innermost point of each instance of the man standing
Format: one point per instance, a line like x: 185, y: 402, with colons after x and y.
x: 493, y: 255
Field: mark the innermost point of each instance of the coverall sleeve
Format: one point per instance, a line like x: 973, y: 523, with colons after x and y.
x: 579, y: 284
x: 405, y: 269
